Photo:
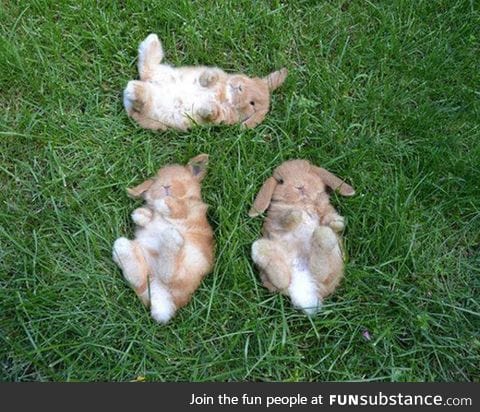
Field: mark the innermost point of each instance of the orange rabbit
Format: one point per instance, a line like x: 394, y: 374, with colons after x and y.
x: 168, y: 97
x: 299, y: 254
x: 173, y: 246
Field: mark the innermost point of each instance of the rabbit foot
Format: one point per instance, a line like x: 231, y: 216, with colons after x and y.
x: 324, y: 238
x: 141, y: 216
x: 162, y: 207
x: 208, y: 113
x: 208, y: 78
x: 270, y: 259
x: 125, y: 256
x: 134, y: 96
x: 335, y: 221
x: 151, y: 48
x: 337, y: 224
x: 291, y: 219
x: 122, y: 250
x: 150, y: 54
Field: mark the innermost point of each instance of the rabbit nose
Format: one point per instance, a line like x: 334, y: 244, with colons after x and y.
x: 301, y: 189
x: 167, y: 189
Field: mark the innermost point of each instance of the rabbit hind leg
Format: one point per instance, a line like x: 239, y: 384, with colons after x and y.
x: 150, y: 54
x: 128, y: 256
x: 326, y: 262
x: 269, y: 257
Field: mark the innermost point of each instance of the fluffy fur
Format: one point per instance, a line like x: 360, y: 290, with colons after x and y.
x: 166, y: 97
x: 173, y: 246
x: 300, y: 254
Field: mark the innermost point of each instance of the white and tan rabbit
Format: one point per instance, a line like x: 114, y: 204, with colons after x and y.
x: 173, y: 246
x: 300, y: 252
x: 166, y: 97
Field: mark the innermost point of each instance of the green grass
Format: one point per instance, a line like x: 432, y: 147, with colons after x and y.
x: 385, y: 94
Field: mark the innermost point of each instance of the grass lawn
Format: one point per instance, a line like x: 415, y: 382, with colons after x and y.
x: 384, y: 94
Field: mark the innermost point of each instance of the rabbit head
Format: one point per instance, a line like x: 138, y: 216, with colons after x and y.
x: 176, y: 181
x: 251, y: 96
x: 297, y: 181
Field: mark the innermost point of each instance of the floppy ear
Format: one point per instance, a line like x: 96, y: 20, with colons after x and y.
x: 333, y: 181
x: 137, y: 191
x: 275, y: 80
x: 198, y: 166
x: 262, y: 201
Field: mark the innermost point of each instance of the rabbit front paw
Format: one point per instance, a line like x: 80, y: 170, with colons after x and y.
x: 324, y: 238
x: 208, y: 78
x: 291, y: 219
x: 334, y: 221
x: 208, y: 113
x: 141, y: 216
x: 162, y: 207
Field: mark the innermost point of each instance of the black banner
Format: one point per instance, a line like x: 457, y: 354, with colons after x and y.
x: 240, y: 396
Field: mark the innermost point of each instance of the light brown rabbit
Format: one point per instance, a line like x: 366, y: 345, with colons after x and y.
x: 173, y: 246
x: 299, y: 254
x: 167, y: 97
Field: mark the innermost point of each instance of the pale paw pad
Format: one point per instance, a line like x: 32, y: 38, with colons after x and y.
x: 337, y: 224
x: 121, y: 250
x: 141, y: 216
x: 325, y: 238
x: 132, y: 96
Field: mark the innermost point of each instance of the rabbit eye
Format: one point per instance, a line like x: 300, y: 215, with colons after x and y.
x: 280, y: 181
x: 252, y: 103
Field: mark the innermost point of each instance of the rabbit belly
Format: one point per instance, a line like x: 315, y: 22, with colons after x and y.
x: 301, y: 236
x: 180, y: 94
x: 153, y: 246
x: 302, y: 289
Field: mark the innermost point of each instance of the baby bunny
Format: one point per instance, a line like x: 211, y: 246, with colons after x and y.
x: 299, y: 254
x: 166, y: 97
x: 173, y: 246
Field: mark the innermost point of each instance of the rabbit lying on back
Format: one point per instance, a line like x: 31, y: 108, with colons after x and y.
x: 167, y: 97
x: 173, y: 246
x: 299, y: 254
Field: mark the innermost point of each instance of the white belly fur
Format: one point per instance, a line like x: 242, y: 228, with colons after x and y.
x: 150, y: 240
x: 148, y: 237
x: 179, y: 93
x: 302, y: 289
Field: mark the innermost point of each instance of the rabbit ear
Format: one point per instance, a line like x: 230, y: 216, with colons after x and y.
x: 198, y: 166
x: 262, y: 201
x: 275, y: 80
x: 137, y: 191
x: 333, y: 181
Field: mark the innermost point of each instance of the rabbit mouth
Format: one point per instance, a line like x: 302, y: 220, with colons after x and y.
x: 301, y: 190
x: 167, y: 190
x: 245, y: 119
